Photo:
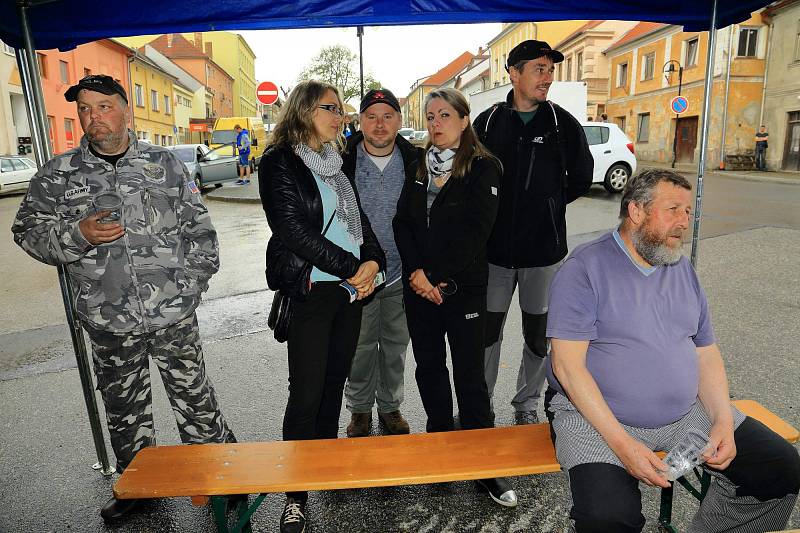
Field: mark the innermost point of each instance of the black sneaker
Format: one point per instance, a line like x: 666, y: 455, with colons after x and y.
x: 522, y: 418
x: 115, y: 509
x: 293, y: 519
x: 499, y: 490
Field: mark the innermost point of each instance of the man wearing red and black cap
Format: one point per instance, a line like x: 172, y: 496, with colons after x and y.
x: 127, y: 222
x: 378, y: 160
x: 546, y: 165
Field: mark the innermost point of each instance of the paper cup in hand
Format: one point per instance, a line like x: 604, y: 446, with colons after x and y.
x: 109, y: 201
x: 686, y: 455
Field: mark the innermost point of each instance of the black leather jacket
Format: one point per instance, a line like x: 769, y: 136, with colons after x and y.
x: 293, y: 207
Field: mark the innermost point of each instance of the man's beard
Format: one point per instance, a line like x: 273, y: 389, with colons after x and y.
x: 375, y: 143
x: 653, y: 247
x: 106, y: 142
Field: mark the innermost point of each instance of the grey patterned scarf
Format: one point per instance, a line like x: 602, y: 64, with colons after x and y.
x: 440, y: 165
x: 328, y: 166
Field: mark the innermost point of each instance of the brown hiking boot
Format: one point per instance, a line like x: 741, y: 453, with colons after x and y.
x: 360, y: 424
x: 395, y: 423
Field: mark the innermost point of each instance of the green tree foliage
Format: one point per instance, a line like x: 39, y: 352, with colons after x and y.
x: 338, y: 65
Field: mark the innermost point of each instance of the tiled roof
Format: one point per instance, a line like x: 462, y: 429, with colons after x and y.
x: 181, y: 46
x: 452, y: 68
x: 643, y: 28
x: 588, y: 26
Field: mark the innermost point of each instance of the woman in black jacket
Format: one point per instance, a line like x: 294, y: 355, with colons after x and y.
x: 444, y: 217
x: 320, y: 238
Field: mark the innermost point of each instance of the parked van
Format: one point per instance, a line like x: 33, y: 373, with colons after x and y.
x: 225, y: 134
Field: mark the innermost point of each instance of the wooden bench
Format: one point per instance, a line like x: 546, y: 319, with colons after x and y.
x: 215, y: 470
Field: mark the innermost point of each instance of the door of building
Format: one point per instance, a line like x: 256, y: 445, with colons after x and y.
x: 687, y: 139
x: 791, y: 154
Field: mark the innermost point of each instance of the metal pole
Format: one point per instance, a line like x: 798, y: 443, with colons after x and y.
x: 675, y: 137
x: 709, y: 83
x: 360, y: 33
x: 725, y: 102
x: 34, y: 101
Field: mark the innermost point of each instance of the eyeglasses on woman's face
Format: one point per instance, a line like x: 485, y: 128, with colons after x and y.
x: 332, y: 108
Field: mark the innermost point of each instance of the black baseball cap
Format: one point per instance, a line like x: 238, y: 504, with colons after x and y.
x: 531, y: 49
x: 96, y: 82
x: 379, y: 96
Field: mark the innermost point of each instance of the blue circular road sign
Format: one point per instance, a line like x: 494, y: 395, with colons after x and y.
x: 679, y: 105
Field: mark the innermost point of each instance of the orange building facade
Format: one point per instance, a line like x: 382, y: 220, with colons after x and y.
x: 60, y: 70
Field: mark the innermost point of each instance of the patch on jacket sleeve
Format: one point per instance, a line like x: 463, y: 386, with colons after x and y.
x: 154, y: 173
x: 193, y: 187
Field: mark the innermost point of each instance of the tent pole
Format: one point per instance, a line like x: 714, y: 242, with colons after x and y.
x: 34, y: 103
x: 360, y: 33
x: 709, y: 84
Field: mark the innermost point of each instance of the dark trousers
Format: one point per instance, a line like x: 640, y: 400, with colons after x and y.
x: 761, y: 155
x: 323, y: 334
x: 462, y: 317
x: 766, y: 468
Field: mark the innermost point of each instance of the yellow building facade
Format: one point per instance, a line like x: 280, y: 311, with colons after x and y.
x: 514, y: 33
x: 641, y: 87
x: 232, y: 53
x: 152, y: 99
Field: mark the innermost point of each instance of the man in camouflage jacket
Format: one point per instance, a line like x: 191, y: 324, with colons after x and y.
x: 137, y: 272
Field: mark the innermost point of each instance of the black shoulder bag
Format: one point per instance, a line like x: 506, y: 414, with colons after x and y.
x: 280, y: 314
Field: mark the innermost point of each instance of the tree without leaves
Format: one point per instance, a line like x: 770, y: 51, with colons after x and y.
x: 338, y: 65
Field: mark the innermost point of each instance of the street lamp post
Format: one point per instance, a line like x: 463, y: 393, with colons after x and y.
x: 669, y: 69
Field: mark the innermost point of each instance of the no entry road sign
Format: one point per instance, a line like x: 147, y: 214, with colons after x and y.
x: 679, y: 105
x: 267, y: 92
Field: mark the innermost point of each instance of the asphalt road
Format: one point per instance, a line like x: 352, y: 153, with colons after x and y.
x: 748, y: 264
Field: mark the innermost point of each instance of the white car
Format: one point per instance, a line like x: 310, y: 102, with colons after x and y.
x: 207, y: 166
x: 15, y: 173
x: 613, y: 153
x: 406, y: 133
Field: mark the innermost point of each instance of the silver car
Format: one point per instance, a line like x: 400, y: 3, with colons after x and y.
x: 207, y: 166
x: 15, y: 173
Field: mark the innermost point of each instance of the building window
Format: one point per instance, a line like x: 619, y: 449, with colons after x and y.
x: 620, y: 120
x: 691, y: 53
x: 42, y: 60
x: 154, y: 100
x: 138, y: 94
x: 167, y: 107
x: 748, y: 39
x: 51, y: 131
x: 156, y: 139
x: 579, y: 66
x: 63, y: 69
x: 643, y: 129
x: 648, y: 66
x: 69, y: 132
x: 558, y: 72
x: 169, y: 141
x: 622, y: 75
x: 568, y: 69
x: 797, y: 43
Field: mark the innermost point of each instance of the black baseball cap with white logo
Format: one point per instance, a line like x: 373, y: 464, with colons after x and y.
x: 99, y: 83
x: 527, y: 50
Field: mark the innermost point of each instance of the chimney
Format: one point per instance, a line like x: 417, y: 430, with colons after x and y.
x: 198, y: 40
x: 209, y: 50
x: 170, y: 36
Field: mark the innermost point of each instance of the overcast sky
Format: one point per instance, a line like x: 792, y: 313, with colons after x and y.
x: 395, y: 55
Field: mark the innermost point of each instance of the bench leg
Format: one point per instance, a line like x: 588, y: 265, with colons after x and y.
x: 665, y: 512
x: 243, y: 513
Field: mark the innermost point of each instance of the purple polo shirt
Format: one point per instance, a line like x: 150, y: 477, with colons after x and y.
x: 643, y: 330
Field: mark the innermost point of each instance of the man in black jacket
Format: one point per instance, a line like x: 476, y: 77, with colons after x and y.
x: 546, y: 165
x: 378, y: 160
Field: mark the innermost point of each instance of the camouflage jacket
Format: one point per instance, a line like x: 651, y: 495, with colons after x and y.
x: 154, y: 274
